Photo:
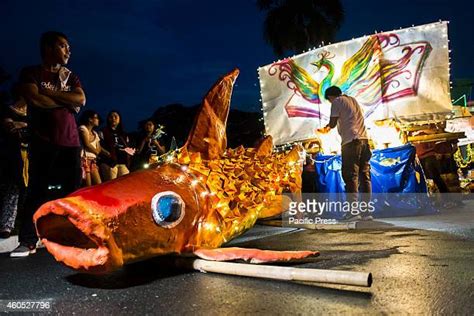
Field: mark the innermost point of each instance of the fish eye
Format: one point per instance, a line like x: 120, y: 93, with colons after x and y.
x: 167, y: 209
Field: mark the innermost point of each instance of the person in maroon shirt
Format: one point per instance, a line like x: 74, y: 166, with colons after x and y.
x: 54, y: 96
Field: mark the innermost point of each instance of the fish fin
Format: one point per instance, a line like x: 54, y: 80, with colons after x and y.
x: 173, y: 145
x: 208, y: 135
x: 161, y: 158
x: 251, y: 255
x: 265, y: 147
x: 294, y: 154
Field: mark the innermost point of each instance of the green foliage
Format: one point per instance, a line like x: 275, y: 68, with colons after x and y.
x: 297, y: 25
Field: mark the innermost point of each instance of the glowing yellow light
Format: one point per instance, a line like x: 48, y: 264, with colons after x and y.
x: 385, y: 134
x: 209, y: 226
x: 146, y: 166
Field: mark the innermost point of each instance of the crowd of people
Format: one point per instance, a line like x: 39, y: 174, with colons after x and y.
x: 46, y: 154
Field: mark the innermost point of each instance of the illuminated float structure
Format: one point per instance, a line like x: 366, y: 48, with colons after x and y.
x: 400, y: 78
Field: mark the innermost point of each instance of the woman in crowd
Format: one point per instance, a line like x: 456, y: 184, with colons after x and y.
x: 116, y: 142
x: 90, y: 147
x: 149, y: 147
x: 13, y: 163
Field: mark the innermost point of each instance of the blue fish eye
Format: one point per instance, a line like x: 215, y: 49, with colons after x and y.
x: 167, y: 209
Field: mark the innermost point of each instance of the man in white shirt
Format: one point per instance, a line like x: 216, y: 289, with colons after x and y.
x: 347, y: 115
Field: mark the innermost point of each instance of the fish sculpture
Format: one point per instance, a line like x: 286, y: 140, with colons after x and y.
x: 201, y: 197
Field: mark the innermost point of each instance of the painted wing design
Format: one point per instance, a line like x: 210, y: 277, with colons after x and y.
x: 302, y: 84
x: 360, y: 74
x: 383, y: 70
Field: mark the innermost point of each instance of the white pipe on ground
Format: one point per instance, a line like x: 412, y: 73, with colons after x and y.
x: 279, y: 273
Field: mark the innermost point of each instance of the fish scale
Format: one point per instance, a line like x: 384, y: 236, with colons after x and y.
x: 247, y: 198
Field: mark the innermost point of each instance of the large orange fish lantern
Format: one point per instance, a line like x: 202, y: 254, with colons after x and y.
x: 203, y: 197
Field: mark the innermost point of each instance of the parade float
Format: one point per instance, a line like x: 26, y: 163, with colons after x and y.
x: 400, y: 79
x: 202, y: 196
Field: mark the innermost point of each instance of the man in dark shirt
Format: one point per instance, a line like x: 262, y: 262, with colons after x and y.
x: 54, y: 95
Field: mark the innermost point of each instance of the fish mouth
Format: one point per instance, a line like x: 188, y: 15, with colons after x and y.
x: 76, y: 237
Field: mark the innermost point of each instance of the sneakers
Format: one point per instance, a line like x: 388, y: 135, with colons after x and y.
x: 22, y: 251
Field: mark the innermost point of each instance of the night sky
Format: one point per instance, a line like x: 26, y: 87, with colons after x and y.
x: 136, y: 56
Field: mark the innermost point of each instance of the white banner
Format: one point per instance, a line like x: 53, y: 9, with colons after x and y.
x: 401, y: 74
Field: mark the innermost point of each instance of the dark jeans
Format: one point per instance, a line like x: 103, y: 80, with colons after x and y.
x: 49, y: 164
x: 12, y: 185
x: 355, y: 166
x: 308, y: 178
x: 433, y: 169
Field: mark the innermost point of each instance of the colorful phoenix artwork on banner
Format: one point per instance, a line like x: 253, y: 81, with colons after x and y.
x: 403, y: 75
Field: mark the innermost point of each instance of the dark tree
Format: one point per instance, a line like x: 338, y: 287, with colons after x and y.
x: 297, y: 25
x: 5, y: 96
x: 243, y: 128
x: 4, y: 76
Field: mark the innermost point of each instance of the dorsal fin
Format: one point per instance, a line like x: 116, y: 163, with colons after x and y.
x: 265, y: 147
x: 294, y: 154
x: 208, y: 135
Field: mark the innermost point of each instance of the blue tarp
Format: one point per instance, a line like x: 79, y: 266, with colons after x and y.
x: 398, y: 182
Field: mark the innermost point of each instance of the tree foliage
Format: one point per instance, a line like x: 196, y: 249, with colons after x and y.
x: 297, y: 25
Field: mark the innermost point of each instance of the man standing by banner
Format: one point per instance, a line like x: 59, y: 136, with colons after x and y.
x: 347, y: 115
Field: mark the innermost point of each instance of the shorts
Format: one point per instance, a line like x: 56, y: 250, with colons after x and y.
x: 89, y: 165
